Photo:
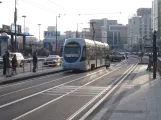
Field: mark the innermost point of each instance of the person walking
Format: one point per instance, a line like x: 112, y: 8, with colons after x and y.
x: 150, y: 62
x: 14, y: 64
x: 4, y: 63
x: 8, y: 65
x: 107, y: 61
x: 34, y: 62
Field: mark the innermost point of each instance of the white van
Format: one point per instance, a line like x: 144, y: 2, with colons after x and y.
x: 20, y: 58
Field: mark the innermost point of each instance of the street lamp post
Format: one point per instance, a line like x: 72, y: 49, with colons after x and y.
x: 92, y: 23
x: 154, y: 55
x: 57, y: 31
x: 56, y: 34
x: 77, y: 31
x: 15, y: 22
x: 24, y: 16
x: 39, y: 30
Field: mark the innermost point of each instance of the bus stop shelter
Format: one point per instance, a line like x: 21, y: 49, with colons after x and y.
x: 14, y: 45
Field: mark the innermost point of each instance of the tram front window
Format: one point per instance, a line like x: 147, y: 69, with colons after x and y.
x: 72, y: 52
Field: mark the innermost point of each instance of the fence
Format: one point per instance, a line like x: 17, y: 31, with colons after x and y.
x: 27, y: 65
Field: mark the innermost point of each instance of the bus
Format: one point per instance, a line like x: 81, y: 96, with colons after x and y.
x: 83, y: 54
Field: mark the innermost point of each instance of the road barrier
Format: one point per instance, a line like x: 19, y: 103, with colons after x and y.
x: 27, y: 65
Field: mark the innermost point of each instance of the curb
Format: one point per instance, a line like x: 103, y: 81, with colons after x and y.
x: 28, y: 77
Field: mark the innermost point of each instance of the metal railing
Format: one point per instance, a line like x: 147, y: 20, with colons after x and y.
x: 27, y: 65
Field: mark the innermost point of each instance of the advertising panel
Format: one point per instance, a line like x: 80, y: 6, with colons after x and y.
x: 18, y: 28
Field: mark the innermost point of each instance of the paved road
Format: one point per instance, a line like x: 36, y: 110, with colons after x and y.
x: 59, y: 96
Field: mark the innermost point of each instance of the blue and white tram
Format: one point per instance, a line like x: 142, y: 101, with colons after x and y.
x: 83, y: 54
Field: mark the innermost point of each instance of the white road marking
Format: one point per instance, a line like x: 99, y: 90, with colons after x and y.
x: 68, y: 95
x: 5, y: 86
x: 88, y: 90
x: 46, y: 83
x: 100, y: 101
x: 29, y: 112
x: 18, y: 100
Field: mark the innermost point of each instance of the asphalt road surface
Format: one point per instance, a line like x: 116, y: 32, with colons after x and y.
x: 61, y: 96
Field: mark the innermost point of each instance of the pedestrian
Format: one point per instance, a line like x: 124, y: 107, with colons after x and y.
x: 150, y: 62
x: 8, y: 65
x: 4, y: 63
x: 126, y: 56
x: 14, y: 64
x: 34, y: 62
x: 29, y: 55
x: 107, y: 61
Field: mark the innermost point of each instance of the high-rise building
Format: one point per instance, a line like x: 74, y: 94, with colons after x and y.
x: 98, y: 25
x: 139, y: 29
x: 143, y: 11
x: 117, y: 36
x: 101, y: 27
x: 156, y: 19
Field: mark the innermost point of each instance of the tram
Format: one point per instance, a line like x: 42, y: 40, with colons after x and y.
x: 83, y: 54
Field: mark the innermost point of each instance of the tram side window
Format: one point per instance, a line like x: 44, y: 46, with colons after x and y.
x: 83, y: 58
x: 92, y: 51
x: 103, y: 52
x: 88, y: 52
x: 99, y: 52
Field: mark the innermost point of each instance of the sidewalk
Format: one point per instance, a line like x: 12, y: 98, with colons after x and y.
x: 138, y: 98
x: 28, y: 75
x: 145, y: 60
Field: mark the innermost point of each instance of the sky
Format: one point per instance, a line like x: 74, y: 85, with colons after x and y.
x: 71, y: 12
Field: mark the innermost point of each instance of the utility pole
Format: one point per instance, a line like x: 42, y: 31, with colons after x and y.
x: 92, y: 23
x: 39, y: 31
x: 154, y: 55
x: 15, y: 22
x: 56, y: 35
x: 24, y: 16
x: 77, y: 31
x: 57, y: 31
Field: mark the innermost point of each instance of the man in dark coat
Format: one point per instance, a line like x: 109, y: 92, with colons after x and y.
x: 14, y: 64
x: 4, y: 63
x: 34, y: 62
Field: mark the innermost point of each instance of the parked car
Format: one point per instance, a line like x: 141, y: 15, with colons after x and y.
x: 122, y: 54
x: 19, y: 56
x: 115, y: 56
x: 53, y: 60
